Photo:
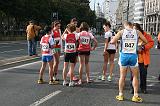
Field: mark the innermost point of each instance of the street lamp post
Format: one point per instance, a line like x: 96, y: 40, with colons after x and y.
x: 127, y: 9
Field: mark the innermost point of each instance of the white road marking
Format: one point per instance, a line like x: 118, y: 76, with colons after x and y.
x: 45, y: 98
x: 19, y: 61
x: 22, y: 65
x: 19, y: 66
x: 4, y: 46
x: 12, y: 51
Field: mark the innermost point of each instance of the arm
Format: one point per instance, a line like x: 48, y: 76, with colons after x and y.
x: 65, y: 32
x: 150, y: 43
x: 116, y: 37
x: 142, y: 38
x: 105, y: 45
x: 95, y: 43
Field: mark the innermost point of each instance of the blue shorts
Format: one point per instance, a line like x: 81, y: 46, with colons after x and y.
x: 47, y: 58
x: 128, y: 59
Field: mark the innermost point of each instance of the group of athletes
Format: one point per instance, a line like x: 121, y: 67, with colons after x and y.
x: 133, y: 42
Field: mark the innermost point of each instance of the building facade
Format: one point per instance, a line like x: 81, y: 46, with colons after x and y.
x: 139, y: 12
x: 131, y: 10
x: 99, y: 12
x: 152, y: 16
x: 106, y: 9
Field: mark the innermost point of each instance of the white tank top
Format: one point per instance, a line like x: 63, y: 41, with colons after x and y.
x: 129, y: 41
x: 109, y: 36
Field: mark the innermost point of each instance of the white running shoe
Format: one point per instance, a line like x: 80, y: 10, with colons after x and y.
x: 71, y: 84
x: 65, y: 83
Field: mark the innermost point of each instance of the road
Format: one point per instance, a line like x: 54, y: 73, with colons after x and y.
x: 18, y: 85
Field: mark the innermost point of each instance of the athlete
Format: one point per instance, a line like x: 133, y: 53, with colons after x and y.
x: 74, y: 21
x: 129, y: 58
x: 70, y: 52
x: 56, y: 33
x: 109, y: 52
x: 47, y: 45
x: 84, y: 50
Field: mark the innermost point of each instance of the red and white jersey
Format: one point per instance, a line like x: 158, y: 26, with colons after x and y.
x: 84, y: 41
x: 57, y: 38
x: 70, y: 42
x: 46, y: 42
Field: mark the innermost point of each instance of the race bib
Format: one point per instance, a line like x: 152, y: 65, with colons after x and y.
x: 57, y: 41
x: 129, y: 46
x: 70, y: 46
x: 45, y: 47
x: 85, y: 40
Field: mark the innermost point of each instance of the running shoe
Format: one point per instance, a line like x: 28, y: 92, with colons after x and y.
x: 90, y: 81
x: 120, y: 98
x: 137, y: 99
x: 40, y: 81
x: 75, y: 78
x: 103, y: 78
x: 55, y: 78
x: 109, y: 78
x: 79, y: 82
x: 52, y: 82
x: 71, y: 84
x: 65, y: 83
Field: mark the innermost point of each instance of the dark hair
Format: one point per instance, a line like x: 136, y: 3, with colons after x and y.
x: 73, y: 20
x: 55, y: 23
x: 84, y: 26
x: 31, y: 21
x: 72, y: 27
x: 138, y: 27
x: 107, y: 24
x: 47, y: 29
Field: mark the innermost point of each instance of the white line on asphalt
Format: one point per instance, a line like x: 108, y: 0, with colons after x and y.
x: 20, y: 61
x: 11, y: 51
x: 4, y: 46
x: 45, y: 98
x: 19, y: 66
x: 22, y: 65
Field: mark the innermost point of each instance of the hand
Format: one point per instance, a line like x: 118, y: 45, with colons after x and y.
x: 92, y: 49
x: 105, y: 53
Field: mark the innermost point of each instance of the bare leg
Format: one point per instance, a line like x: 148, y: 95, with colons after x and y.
x: 43, y: 66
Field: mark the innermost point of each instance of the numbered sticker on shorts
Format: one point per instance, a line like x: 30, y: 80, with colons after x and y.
x: 85, y: 40
x: 45, y: 47
x: 70, y: 46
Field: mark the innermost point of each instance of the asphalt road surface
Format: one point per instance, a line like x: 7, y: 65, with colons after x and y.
x: 18, y: 85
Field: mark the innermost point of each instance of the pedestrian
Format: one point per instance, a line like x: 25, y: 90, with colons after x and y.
x: 70, y: 39
x: 158, y: 42
x: 129, y: 58
x: 75, y: 22
x: 84, y: 49
x: 143, y: 58
x: 31, y: 33
x: 108, y: 52
x: 47, y: 45
x: 56, y: 33
x: 158, y: 47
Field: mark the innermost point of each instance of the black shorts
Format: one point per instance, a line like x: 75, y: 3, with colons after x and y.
x: 70, y: 57
x: 110, y: 51
x: 86, y: 53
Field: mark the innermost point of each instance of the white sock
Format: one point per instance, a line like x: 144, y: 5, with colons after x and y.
x: 120, y: 94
